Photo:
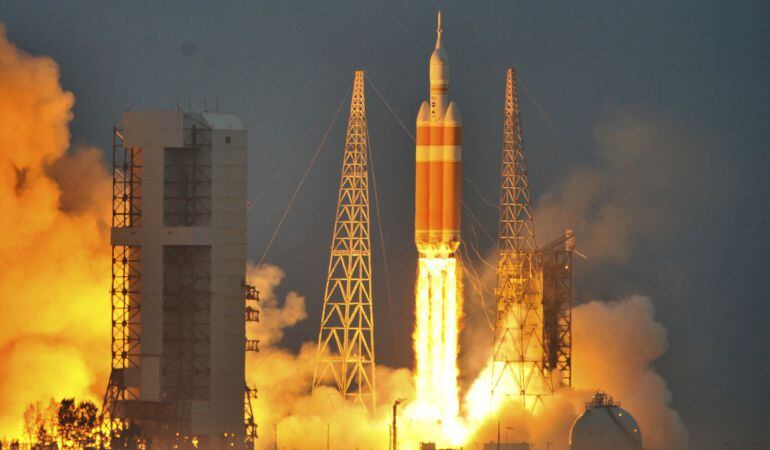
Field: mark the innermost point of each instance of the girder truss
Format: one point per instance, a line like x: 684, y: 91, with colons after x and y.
x: 555, y: 259
x: 345, y: 355
x: 518, y: 367
x: 126, y: 183
x: 125, y: 289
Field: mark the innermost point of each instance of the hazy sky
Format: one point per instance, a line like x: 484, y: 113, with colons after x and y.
x: 698, y: 69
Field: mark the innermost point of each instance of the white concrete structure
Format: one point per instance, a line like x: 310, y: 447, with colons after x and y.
x: 192, y: 241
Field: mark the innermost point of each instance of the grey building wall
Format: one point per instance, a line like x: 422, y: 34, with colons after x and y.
x: 193, y: 251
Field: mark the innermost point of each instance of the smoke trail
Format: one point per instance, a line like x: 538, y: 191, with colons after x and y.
x: 54, y: 245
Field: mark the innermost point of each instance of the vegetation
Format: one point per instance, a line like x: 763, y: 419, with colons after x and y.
x: 66, y: 425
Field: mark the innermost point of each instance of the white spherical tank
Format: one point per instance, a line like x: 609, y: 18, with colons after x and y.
x: 605, y: 426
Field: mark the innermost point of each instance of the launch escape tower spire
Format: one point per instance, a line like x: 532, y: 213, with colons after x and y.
x: 518, y: 349
x: 345, y: 355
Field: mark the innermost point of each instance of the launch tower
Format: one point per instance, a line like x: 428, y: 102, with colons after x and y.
x: 345, y: 355
x: 518, y: 349
x: 533, y: 330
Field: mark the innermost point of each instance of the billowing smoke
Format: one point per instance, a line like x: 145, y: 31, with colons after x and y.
x: 54, y: 245
x: 647, y: 178
x: 615, y: 346
x: 274, y: 318
x: 285, y: 378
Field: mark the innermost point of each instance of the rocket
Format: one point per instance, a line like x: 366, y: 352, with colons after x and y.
x: 438, y: 164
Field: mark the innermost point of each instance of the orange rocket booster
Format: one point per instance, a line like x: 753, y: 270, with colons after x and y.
x: 439, y: 159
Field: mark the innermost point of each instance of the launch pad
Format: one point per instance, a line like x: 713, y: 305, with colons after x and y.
x: 174, y: 348
x: 532, y: 351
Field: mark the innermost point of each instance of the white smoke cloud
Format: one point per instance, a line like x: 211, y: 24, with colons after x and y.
x: 284, y: 380
x: 274, y: 318
x: 648, y: 178
x: 615, y: 346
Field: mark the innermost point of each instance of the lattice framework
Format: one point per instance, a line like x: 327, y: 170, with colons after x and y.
x: 518, y: 349
x: 125, y: 289
x: 126, y: 183
x: 186, y: 328
x: 345, y: 354
x: 251, y: 297
x: 555, y: 259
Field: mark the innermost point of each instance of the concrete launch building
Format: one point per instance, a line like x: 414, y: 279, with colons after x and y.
x: 179, y: 253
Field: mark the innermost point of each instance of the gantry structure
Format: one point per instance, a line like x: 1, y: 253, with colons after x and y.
x: 518, y: 353
x: 555, y: 261
x: 251, y: 296
x: 177, y: 294
x: 345, y: 354
x: 125, y: 288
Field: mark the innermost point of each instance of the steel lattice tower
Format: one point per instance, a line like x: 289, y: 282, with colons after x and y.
x: 518, y: 350
x: 346, y: 340
x: 125, y: 291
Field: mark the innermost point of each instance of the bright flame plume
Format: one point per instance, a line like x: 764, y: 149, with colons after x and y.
x: 435, y: 338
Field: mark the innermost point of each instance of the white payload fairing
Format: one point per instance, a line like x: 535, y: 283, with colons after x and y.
x: 438, y: 164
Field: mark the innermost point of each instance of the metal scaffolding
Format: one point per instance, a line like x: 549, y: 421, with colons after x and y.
x: 251, y: 297
x: 518, y: 350
x: 555, y: 259
x: 187, y: 181
x: 126, y: 183
x: 345, y: 355
x: 186, y: 328
x: 250, y: 436
x: 125, y: 290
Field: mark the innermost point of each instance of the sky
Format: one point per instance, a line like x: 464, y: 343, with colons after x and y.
x: 690, y: 78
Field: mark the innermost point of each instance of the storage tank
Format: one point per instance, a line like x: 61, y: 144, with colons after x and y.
x: 605, y: 426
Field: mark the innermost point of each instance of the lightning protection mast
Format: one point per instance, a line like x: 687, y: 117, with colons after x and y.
x: 518, y: 367
x: 345, y: 355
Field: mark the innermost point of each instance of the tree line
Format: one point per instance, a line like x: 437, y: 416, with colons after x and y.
x: 65, y: 425
x: 76, y: 425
